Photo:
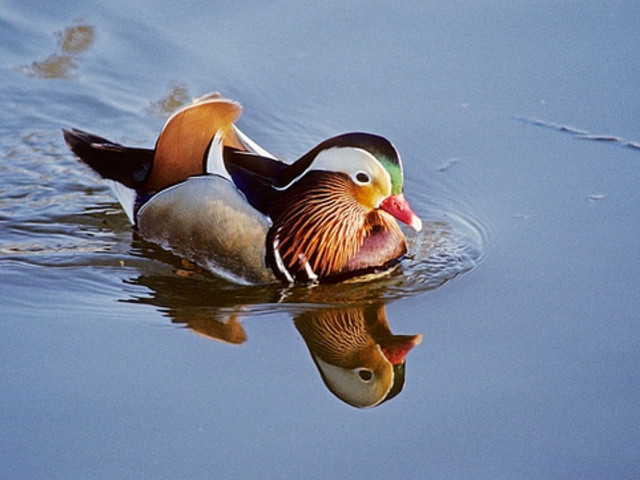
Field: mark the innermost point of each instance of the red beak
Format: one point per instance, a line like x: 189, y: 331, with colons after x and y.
x: 398, y: 206
x: 399, y: 346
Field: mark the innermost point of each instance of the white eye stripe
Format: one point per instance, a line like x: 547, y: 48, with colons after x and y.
x: 349, y: 160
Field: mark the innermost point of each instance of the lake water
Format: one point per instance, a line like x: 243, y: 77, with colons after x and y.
x: 519, y: 127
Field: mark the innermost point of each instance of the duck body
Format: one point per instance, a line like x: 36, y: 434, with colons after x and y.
x: 209, y: 208
x: 209, y: 194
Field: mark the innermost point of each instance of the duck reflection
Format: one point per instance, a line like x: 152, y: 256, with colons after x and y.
x: 359, y: 359
x: 228, y: 331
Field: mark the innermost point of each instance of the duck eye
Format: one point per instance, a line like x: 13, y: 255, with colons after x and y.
x: 362, y: 177
x: 365, y: 375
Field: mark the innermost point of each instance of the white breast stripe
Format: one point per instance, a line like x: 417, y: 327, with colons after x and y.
x: 279, y: 262
x: 310, y: 273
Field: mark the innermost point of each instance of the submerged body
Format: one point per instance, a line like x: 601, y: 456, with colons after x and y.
x: 211, y: 195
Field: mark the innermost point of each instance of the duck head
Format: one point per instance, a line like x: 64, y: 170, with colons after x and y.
x: 337, y: 211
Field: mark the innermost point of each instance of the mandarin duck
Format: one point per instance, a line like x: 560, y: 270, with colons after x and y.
x: 359, y: 359
x: 209, y: 194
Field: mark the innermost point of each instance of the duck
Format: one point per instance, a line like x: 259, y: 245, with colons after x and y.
x: 358, y: 357
x: 211, y: 195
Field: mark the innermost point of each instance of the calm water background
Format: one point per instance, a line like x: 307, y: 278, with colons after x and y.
x: 518, y: 123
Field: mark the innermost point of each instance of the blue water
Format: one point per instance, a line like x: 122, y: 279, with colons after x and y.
x: 518, y: 127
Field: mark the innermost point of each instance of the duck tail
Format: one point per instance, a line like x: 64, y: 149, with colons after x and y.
x: 126, y: 169
x: 185, y: 141
x: 126, y: 165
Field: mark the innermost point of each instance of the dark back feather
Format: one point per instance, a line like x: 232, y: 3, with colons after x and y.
x: 255, y: 177
x: 129, y: 166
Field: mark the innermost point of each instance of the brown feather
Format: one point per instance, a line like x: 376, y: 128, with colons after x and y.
x: 184, y: 140
x: 337, y: 336
x: 320, y: 221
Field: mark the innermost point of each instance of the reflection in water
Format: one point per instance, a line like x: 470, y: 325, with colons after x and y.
x: 344, y: 325
x: 358, y: 357
x: 229, y: 330
x: 72, y: 41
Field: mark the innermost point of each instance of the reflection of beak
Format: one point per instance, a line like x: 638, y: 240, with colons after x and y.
x: 397, y: 348
x: 398, y: 206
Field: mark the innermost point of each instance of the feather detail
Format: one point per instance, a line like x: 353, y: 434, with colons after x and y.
x: 318, y: 225
x: 215, y: 160
x: 279, y: 264
x: 183, y: 142
x: 125, y: 165
x: 127, y: 198
x: 251, y: 144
